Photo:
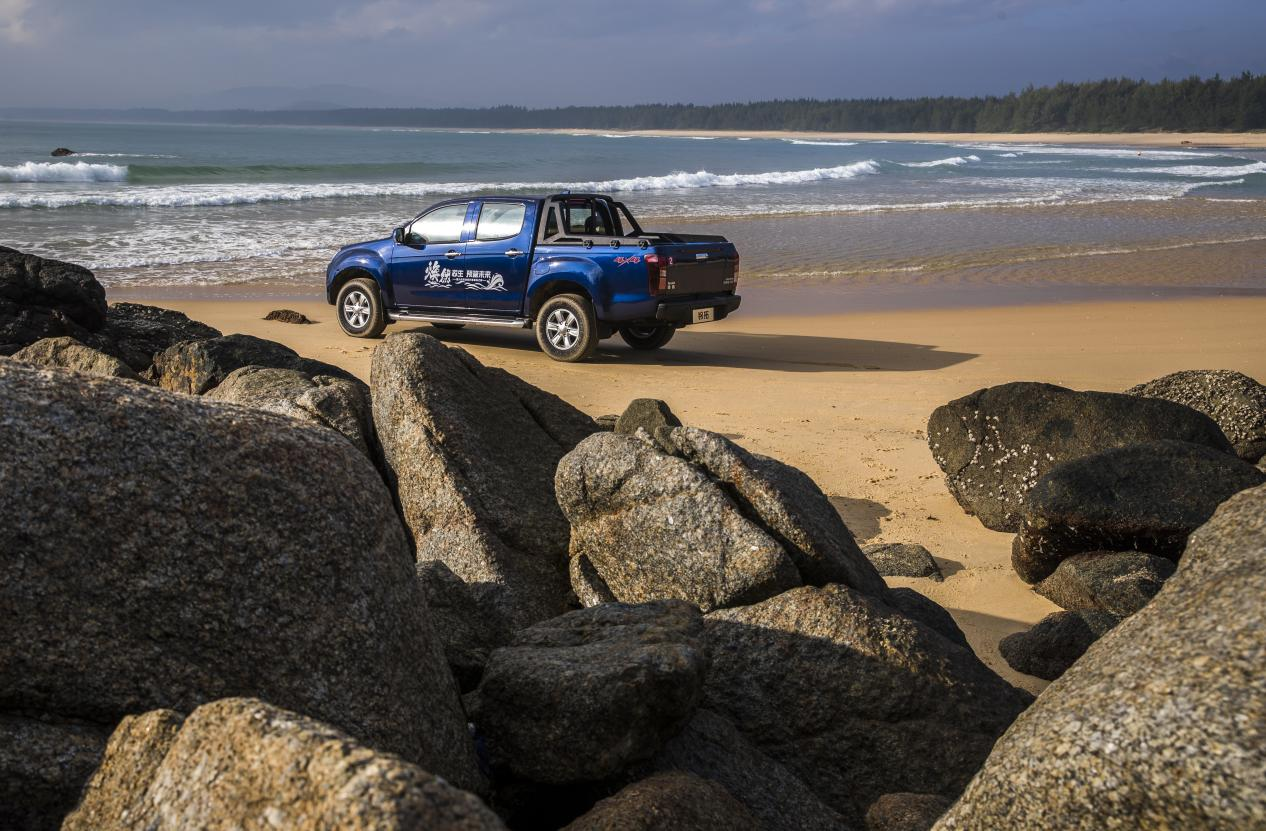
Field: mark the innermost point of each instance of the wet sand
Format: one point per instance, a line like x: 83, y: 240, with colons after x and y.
x: 846, y: 395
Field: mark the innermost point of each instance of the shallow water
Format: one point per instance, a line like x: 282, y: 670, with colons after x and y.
x: 246, y: 209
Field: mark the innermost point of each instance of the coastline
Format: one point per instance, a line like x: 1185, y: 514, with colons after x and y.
x: 845, y: 396
x: 1245, y: 141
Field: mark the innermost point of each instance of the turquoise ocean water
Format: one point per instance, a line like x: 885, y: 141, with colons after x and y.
x: 263, y: 208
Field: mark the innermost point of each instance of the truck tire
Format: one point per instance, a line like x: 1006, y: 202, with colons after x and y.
x: 647, y: 337
x: 359, y: 309
x: 448, y: 327
x: 566, y: 328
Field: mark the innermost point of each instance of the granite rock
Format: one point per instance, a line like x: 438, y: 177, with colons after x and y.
x: 68, y: 353
x: 470, y: 453
x: 854, y: 697
x: 1162, y: 723
x: 1117, y: 582
x: 166, y: 550
x: 672, y: 799
x: 996, y: 443
x: 902, y: 559
x: 241, y: 763
x: 1236, y: 402
x: 1055, y: 642
x: 1145, y: 497
x: 581, y: 697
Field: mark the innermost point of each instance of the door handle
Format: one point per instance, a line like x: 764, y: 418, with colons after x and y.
x: 514, y: 252
x: 453, y: 254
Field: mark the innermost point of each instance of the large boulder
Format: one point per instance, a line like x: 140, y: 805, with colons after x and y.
x: 1232, y: 399
x: 137, y: 334
x: 902, y: 559
x: 854, y: 697
x: 1144, y: 497
x: 1055, y: 642
x: 1161, y: 723
x: 471, y: 452
x: 197, y: 366
x: 162, y: 551
x: 341, y: 404
x: 581, y: 697
x: 41, y: 298
x: 68, y: 353
x: 242, y: 763
x: 710, y: 523
x: 995, y: 444
x: 672, y: 799
x: 1117, y: 582
x: 709, y: 746
x: 927, y: 611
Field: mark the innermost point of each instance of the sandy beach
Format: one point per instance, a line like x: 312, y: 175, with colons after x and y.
x: 846, y: 397
x: 1248, y: 141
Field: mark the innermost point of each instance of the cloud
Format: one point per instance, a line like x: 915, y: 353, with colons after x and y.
x: 13, y: 21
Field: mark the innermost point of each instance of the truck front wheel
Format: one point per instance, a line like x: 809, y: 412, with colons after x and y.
x: 566, y: 328
x: 359, y: 309
x: 647, y: 337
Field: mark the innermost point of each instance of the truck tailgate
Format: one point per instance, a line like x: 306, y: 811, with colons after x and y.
x: 697, y: 268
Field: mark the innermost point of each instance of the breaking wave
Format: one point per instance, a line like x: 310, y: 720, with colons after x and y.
x: 1202, y: 171
x: 822, y: 143
x: 186, y: 196
x: 63, y: 172
x: 955, y: 161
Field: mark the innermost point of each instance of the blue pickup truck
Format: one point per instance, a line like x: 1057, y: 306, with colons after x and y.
x: 576, y: 267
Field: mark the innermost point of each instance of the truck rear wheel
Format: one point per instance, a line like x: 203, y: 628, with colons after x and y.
x: 566, y: 328
x: 359, y: 309
x: 647, y: 337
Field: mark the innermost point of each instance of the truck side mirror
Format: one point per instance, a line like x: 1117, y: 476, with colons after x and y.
x: 398, y: 235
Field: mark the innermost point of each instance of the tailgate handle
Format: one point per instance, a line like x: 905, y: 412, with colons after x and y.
x: 514, y: 252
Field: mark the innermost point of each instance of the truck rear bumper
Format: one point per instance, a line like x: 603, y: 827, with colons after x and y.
x: 681, y: 312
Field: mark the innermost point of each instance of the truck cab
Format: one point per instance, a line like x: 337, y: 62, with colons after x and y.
x: 575, y: 267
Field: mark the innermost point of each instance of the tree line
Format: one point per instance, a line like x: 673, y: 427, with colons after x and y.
x: 1112, y: 105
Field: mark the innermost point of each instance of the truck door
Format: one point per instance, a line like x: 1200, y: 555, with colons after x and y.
x: 425, y: 267
x: 499, y: 253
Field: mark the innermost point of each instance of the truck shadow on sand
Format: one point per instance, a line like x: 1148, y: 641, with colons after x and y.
x: 742, y: 350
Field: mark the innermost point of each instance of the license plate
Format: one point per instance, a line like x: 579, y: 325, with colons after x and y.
x: 703, y: 315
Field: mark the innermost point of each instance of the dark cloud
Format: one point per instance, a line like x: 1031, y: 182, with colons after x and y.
x: 479, y: 52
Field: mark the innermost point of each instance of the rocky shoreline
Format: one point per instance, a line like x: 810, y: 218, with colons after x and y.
x: 248, y: 590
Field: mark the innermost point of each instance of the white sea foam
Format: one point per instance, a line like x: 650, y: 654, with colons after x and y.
x: 704, y: 179
x: 1202, y: 171
x: 956, y: 161
x: 1099, y: 152
x: 63, y: 172
x: 186, y: 196
x: 1008, y: 155
x: 821, y: 143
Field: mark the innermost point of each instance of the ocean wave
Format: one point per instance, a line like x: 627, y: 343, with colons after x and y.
x: 704, y: 179
x: 1099, y: 152
x: 1008, y: 155
x: 191, y: 196
x: 822, y: 143
x: 63, y: 172
x: 1201, y: 171
x: 955, y: 161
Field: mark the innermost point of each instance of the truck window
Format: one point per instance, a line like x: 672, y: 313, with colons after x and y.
x: 500, y: 220
x: 440, y: 225
x: 586, y: 218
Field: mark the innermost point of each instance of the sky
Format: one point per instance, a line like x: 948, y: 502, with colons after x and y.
x: 540, y: 53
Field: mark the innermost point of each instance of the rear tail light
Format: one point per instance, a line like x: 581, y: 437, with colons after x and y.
x: 656, y: 274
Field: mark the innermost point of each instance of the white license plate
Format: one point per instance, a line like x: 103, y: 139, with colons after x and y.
x: 703, y: 315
